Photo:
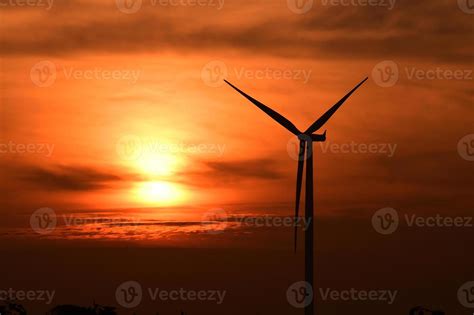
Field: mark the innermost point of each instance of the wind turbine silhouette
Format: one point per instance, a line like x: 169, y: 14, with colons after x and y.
x: 306, y: 142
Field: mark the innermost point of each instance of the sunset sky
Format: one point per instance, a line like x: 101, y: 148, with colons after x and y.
x: 125, y: 158
x: 122, y: 104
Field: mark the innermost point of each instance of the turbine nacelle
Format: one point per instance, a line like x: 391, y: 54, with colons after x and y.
x: 312, y: 137
x: 319, y: 138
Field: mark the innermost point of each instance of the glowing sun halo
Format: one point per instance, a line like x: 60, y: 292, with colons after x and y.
x: 158, y: 167
x: 158, y: 192
x: 157, y: 164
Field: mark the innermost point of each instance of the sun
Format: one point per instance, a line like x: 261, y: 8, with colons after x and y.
x: 158, y: 192
x: 157, y: 164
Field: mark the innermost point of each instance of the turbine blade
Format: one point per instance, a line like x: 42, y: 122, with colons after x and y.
x: 270, y: 112
x: 326, y: 116
x: 299, y: 180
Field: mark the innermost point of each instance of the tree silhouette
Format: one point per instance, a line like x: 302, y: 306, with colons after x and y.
x: 12, y: 309
x: 96, y: 309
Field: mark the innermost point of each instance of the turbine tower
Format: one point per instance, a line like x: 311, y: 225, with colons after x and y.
x: 306, y: 144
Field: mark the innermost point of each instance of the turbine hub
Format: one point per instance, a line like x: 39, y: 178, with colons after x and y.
x: 304, y: 137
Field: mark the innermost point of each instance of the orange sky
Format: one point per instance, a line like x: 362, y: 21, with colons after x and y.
x: 152, y: 78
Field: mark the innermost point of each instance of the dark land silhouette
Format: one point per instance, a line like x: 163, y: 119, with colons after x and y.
x: 78, y: 310
x: 419, y: 310
x: 11, y: 308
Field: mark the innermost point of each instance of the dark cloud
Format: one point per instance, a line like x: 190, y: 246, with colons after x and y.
x: 412, y: 29
x: 209, y: 174
x: 231, y: 172
x: 260, y: 168
x: 67, y: 178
